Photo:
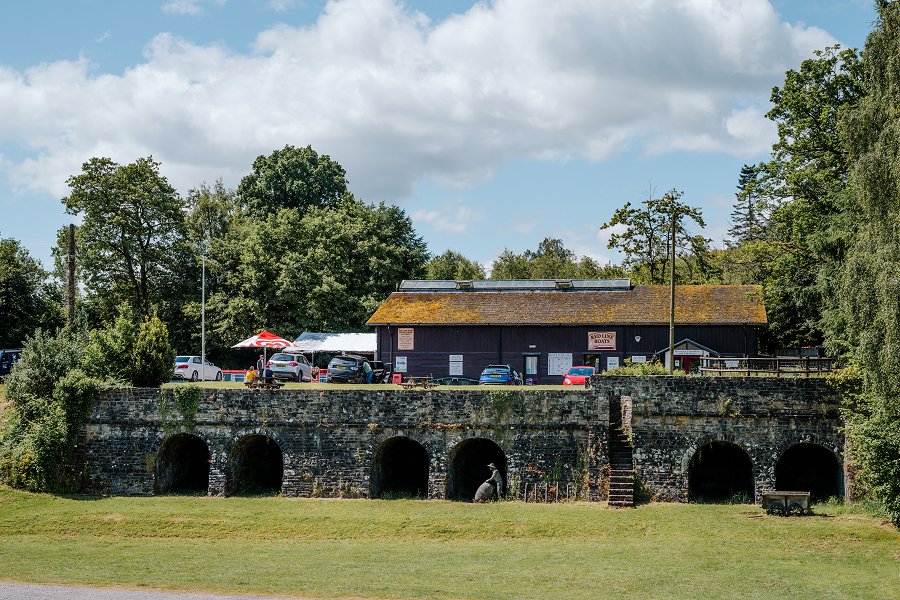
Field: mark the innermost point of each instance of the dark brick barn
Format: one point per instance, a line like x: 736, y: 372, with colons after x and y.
x: 540, y: 327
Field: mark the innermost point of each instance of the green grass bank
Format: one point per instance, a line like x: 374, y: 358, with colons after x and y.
x: 436, y: 549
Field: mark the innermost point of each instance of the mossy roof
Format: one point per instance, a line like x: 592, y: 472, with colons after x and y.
x: 641, y: 305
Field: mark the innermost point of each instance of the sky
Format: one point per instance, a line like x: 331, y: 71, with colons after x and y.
x: 492, y: 124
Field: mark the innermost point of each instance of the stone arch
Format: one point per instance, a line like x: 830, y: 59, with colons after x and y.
x: 399, y: 469
x: 720, y: 471
x: 182, y: 465
x: 809, y: 467
x: 255, y: 466
x: 468, y: 468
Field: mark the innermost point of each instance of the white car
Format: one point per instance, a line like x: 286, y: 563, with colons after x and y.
x: 294, y: 367
x: 192, y: 368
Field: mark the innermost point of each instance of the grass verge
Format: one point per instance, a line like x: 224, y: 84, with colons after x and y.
x: 435, y: 549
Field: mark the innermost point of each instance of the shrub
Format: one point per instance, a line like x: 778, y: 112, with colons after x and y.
x: 50, y: 399
x: 644, y: 368
x: 131, y: 350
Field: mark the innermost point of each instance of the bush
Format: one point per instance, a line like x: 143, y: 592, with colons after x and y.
x: 644, y: 368
x: 131, y: 350
x: 50, y: 399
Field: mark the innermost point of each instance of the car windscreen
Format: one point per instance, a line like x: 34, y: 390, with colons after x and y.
x: 179, y: 359
x: 283, y: 357
x: 490, y: 370
x: 581, y: 371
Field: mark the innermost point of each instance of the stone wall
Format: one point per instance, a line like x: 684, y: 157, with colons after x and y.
x: 329, y: 439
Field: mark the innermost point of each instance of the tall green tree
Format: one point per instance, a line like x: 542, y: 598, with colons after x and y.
x: 453, y: 265
x: 870, y: 291
x: 132, y: 243
x: 27, y: 300
x: 747, y: 222
x: 293, y: 178
x: 802, y: 191
x: 646, y: 231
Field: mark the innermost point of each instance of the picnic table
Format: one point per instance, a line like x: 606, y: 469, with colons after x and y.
x: 422, y: 382
x: 263, y: 383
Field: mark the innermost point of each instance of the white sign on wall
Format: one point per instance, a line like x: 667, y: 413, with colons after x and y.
x: 405, y: 338
x: 456, y: 364
x: 559, y: 363
x: 612, y: 362
x: 400, y: 364
x: 638, y: 359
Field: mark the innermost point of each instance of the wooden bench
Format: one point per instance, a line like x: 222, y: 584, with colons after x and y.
x: 260, y: 383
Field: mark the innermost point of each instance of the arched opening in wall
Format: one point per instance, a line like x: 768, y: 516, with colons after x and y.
x: 809, y: 468
x: 399, y: 469
x: 469, y: 467
x: 182, y: 465
x: 255, y: 466
x: 720, y: 472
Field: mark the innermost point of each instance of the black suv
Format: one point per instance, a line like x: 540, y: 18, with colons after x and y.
x: 349, y: 368
x: 7, y: 359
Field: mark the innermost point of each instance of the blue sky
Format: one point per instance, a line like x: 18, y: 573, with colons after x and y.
x: 493, y: 125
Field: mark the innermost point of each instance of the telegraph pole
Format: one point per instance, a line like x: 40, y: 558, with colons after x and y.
x: 672, y: 297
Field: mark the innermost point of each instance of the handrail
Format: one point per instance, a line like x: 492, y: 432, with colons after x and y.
x: 766, y: 365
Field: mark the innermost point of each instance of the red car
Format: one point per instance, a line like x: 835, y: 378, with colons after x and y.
x: 578, y: 375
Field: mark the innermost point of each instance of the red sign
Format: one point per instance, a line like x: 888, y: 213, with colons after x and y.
x: 601, y: 340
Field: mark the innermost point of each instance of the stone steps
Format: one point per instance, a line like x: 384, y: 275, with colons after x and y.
x: 621, y: 462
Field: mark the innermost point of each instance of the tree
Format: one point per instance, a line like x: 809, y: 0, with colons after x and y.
x: 293, y: 178
x: 645, y: 236
x: 131, y: 245
x: 453, y: 265
x: 132, y: 349
x: 323, y: 270
x: 802, y: 191
x: 551, y: 260
x: 870, y: 283
x: 27, y: 301
x: 746, y: 218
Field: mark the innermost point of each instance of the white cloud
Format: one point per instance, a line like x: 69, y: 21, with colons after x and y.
x: 396, y: 98
x: 451, y: 220
x: 189, y: 7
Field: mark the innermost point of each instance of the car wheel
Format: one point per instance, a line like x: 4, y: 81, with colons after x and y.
x: 194, y: 376
x: 218, y: 375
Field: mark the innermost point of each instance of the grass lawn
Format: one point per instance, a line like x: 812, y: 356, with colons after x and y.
x: 436, y: 549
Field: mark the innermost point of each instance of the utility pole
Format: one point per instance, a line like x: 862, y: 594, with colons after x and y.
x: 672, y: 297
x: 70, y: 288
x: 203, y: 314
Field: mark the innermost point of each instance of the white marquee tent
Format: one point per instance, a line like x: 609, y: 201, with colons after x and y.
x: 351, y: 343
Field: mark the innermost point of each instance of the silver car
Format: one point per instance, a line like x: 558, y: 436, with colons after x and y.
x: 293, y: 367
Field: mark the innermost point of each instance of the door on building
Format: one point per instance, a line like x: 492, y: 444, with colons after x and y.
x: 530, y: 368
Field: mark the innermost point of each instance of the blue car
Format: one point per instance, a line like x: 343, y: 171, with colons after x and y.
x: 499, y: 375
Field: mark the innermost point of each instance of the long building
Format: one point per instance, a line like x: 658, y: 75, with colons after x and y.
x: 542, y: 327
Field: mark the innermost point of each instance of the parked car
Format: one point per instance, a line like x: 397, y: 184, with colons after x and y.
x: 294, y: 367
x: 192, y: 368
x: 499, y: 375
x: 349, y: 368
x: 8, y: 358
x: 578, y: 375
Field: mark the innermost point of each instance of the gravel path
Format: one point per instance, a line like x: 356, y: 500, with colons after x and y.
x: 22, y: 591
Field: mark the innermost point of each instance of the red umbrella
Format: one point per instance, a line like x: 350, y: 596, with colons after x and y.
x: 263, y: 339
